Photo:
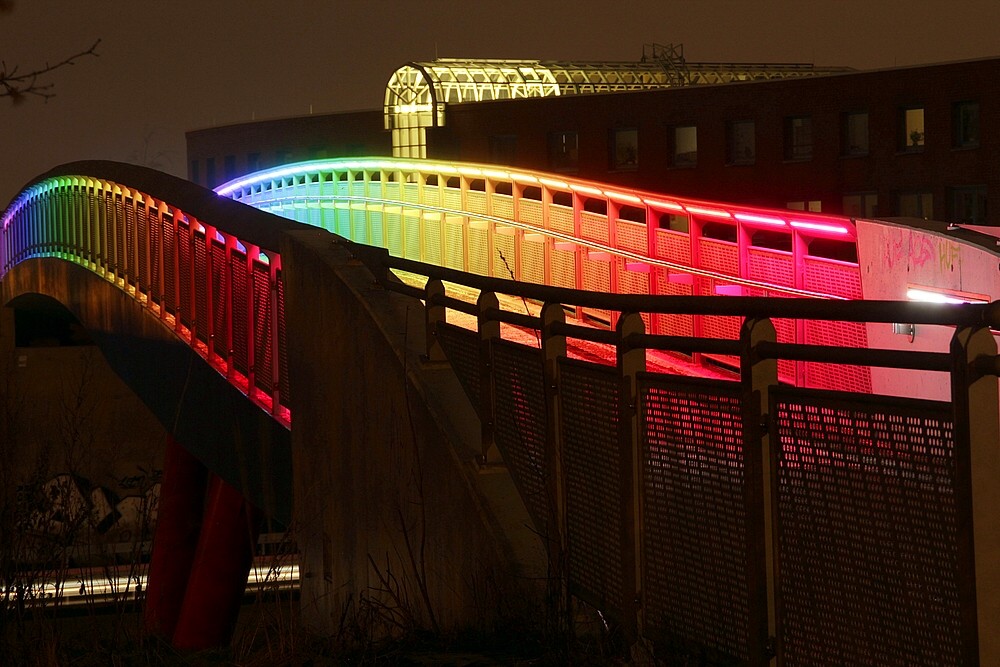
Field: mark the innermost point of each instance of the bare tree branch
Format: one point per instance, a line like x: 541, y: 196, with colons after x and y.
x: 17, y: 86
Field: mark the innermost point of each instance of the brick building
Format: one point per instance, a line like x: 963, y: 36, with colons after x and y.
x: 918, y: 142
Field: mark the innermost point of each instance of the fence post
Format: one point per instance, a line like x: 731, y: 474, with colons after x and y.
x: 489, y: 330
x: 977, y: 460
x: 758, y: 375
x: 553, y: 349
x: 631, y: 361
x: 434, y: 314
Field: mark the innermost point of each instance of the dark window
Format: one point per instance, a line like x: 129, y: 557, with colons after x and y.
x: 911, y: 126
x: 684, y: 148
x: 253, y: 162
x: 563, y: 151
x: 210, y: 172
x: 503, y: 148
x: 965, y: 118
x: 229, y: 168
x: 195, y: 171
x: 742, y: 143
x: 855, y: 129
x: 280, y: 157
x: 625, y: 148
x: 915, y: 205
x: 798, y: 138
x: 967, y: 205
x: 861, y: 205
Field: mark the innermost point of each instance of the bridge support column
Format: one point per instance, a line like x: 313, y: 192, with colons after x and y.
x: 182, y: 497
x: 219, y: 572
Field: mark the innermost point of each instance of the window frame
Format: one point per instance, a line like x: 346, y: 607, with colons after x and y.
x: 561, y: 157
x: 798, y: 151
x: 912, y: 140
x: 957, y: 140
x: 621, y: 159
x: 847, y: 149
x: 731, y: 142
x: 676, y: 161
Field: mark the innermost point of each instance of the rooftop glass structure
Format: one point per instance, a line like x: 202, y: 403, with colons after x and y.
x: 418, y: 92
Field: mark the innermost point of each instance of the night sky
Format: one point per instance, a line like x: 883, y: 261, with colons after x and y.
x: 176, y: 65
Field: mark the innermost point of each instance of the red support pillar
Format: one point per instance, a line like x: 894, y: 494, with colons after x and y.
x: 219, y: 572
x: 182, y: 498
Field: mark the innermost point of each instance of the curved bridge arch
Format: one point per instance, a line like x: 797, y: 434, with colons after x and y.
x: 181, y: 291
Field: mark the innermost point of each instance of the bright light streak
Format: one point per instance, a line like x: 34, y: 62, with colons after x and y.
x: 621, y: 196
x: 818, y: 227
x: 524, y: 178
x: 494, y: 173
x: 926, y: 296
x: 709, y: 212
x: 753, y: 218
x: 668, y: 205
x: 552, y: 183
x: 586, y: 189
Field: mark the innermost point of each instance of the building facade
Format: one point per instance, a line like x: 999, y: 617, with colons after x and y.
x: 920, y: 142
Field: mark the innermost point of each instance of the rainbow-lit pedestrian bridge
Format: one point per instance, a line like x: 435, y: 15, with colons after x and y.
x: 846, y: 469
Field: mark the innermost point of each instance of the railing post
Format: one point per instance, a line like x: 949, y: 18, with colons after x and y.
x: 977, y: 461
x: 434, y: 314
x: 489, y: 330
x: 554, y: 349
x: 631, y: 361
x: 757, y: 376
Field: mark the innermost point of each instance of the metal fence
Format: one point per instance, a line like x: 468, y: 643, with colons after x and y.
x: 741, y: 520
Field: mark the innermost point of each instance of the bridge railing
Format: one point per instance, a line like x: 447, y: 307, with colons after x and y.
x: 740, y: 519
x: 557, y: 230
x: 208, y: 272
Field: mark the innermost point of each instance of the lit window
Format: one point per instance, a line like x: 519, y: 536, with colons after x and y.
x: 855, y: 133
x: 915, y: 205
x: 685, y: 146
x: 563, y: 151
x: 912, y: 129
x: 967, y: 205
x: 813, y: 205
x: 742, y: 143
x: 625, y: 149
x: 861, y: 205
x: 798, y: 138
x: 965, y: 118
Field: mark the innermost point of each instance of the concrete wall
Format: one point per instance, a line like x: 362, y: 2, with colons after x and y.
x: 392, y: 512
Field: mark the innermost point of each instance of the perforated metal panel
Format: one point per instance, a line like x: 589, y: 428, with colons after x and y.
x: 532, y: 261
x: 454, y: 243
x: 631, y: 236
x: 169, y: 240
x: 530, y: 211
x: 202, y: 279
x: 564, y: 268
x: 130, y: 242
x: 240, y: 313
x: 478, y: 251
x: 461, y: 346
x: 432, y: 238
x: 394, y: 231
x: 283, y: 381
x: 375, y: 224
x: 719, y: 256
x: 594, y: 226
x: 155, y: 247
x: 833, y: 277
x: 503, y: 206
x: 771, y: 266
x: 838, y: 376
x: 520, y: 423
x: 867, y: 530
x: 185, y: 278
x: 359, y: 223
x: 697, y: 535
x: 475, y: 202
x: 263, y: 347
x: 220, y: 276
x: 411, y: 234
x: 589, y: 426
x: 504, y: 262
x: 561, y: 218
x: 453, y: 199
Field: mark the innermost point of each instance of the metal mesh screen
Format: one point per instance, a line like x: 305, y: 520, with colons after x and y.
x: 187, y: 289
x: 220, y: 328
x: 867, y: 528
x: 696, y: 533
x: 240, y: 313
x: 169, y: 273
x: 156, y: 261
x: 520, y: 422
x: 461, y: 346
x: 284, y: 395
x: 262, y: 341
x: 201, y: 281
x: 589, y: 423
